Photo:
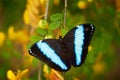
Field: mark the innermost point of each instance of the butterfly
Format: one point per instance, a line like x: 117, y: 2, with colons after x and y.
x: 62, y: 53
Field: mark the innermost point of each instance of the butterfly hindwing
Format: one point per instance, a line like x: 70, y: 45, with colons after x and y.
x: 77, y: 41
x: 51, y: 52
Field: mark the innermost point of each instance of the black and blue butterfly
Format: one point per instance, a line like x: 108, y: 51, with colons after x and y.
x: 62, y: 53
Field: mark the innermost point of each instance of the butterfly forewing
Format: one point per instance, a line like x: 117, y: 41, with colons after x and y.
x: 51, y: 52
x: 77, y: 41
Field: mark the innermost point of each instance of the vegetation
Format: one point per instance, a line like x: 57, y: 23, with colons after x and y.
x: 24, y: 22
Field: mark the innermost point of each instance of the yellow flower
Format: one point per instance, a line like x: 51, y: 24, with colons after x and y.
x: 99, y: 65
x: 43, y: 1
x: 21, y: 37
x: 56, y: 2
x: 90, y: 1
x: 75, y: 78
x: 26, y: 17
x: 43, y: 24
x: 20, y: 74
x: 18, y: 36
x: 82, y: 5
x: 2, y: 38
x: 45, y: 69
x: 52, y: 74
x: 48, y: 36
x: 11, y: 33
x: 90, y: 48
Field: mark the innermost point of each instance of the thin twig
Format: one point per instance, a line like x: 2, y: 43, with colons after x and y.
x: 65, y: 12
x: 46, y: 11
x: 39, y: 73
x: 45, y: 18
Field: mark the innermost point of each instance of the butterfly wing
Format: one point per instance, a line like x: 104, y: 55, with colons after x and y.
x: 77, y: 41
x: 51, y: 51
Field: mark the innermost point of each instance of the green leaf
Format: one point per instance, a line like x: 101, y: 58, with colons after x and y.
x: 29, y: 45
x: 6, y: 55
x: 54, y: 25
x: 41, y: 31
x: 35, y: 38
x: 64, y: 31
x: 9, y: 43
x: 111, y: 10
x: 55, y: 17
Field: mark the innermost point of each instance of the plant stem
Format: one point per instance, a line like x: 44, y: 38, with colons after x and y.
x: 39, y: 73
x: 46, y: 10
x: 45, y: 18
x: 65, y: 12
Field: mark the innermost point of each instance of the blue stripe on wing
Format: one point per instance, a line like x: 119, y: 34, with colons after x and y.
x: 50, y: 53
x: 78, y: 43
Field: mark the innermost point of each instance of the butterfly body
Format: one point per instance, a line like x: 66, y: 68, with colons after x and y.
x: 62, y: 53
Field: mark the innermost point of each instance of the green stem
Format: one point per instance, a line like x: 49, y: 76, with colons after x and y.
x: 46, y: 10
x: 65, y: 12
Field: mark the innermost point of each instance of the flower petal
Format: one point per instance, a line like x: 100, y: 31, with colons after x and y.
x: 2, y: 39
x: 24, y: 72
x: 11, y: 75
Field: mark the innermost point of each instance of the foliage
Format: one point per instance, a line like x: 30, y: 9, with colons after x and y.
x: 17, y: 35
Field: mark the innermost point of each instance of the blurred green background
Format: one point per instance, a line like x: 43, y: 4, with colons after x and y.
x: 18, y: 22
